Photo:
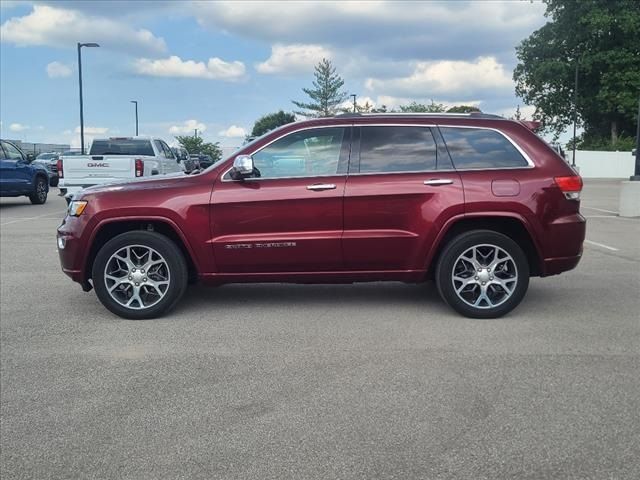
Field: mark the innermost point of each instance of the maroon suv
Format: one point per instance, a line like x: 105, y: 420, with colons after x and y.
x: 476, y: 202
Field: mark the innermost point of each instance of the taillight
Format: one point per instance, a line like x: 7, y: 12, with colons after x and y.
x: 59, y: 167
x: 570, y: 186
x: 139, y: 167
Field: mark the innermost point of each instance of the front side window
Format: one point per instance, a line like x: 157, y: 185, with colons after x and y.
x: 11, y: 152
x: 308, y: 153
x: 397, y: 149
x: 481, y: 148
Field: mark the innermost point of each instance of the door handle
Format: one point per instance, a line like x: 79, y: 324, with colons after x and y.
x: 321, y: 186
x: 436, y: 182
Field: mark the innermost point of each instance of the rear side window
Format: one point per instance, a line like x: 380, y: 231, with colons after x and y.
x: 397, y: 149
x: 122, y: 147
x: 481, y: 148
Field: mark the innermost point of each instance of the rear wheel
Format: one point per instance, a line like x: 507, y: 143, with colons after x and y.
x: 140, y: 275
x: 482, y: 274
x: 40, y: 189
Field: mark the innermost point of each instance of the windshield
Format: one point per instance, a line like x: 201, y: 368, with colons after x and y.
x: 122, y: 147
x: 46, y: 156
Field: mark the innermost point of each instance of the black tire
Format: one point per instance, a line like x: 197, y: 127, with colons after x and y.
x: 40, y: 190
x: 447, y: 262
x: 53, y: 182
x: 174, y: 258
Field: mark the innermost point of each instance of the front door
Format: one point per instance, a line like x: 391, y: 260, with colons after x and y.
x: 15, y: 173
x: 397, y: 197
x: 288, y: 216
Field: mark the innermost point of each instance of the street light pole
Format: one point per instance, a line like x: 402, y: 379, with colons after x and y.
x: 354, y: 102
x: 136, y: 103
x: 575, y: 114
x: 636, y: 173
x: 80, y: 45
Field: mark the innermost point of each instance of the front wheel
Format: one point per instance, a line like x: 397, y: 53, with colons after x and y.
x: 140, y: 275
x: 482, y: 274
x: 39, y: 195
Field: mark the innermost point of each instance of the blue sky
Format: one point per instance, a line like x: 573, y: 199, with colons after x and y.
x: 218, y: 66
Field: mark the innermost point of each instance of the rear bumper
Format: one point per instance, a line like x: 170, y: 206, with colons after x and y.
x: 565, y: 237
x: 554, y: 266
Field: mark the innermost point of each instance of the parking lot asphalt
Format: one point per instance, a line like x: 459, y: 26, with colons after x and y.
x: 376, y: 380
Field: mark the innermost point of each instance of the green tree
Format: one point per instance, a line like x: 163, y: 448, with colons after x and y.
x: 326, y: 94
x: 601, y: 38
x: 415, y: 107
x: 270, y: 121
x: 463, y: 109
x: 195, y: 145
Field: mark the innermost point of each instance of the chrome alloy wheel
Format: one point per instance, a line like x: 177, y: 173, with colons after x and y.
x: 484, y: 276
x: 137, y: 277
x: 41, y: 191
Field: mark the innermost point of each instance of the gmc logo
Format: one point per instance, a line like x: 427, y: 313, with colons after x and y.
x: 97, y: 164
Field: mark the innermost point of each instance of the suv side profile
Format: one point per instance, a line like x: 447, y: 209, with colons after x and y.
x: 20, y: 176
x: 473, y: 201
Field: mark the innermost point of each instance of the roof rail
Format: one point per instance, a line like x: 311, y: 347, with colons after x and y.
x: 419, y: 114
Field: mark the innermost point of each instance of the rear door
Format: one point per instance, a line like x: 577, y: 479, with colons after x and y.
x: 288, y: 217
x: 400, y: 190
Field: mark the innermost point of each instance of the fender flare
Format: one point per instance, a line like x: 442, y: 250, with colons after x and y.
x: 451, y: 222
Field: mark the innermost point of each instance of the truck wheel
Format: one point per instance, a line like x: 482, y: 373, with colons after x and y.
x: 140, y: 275
x: 482, y: 274
x: 53, y: 182
x: 39, y: 195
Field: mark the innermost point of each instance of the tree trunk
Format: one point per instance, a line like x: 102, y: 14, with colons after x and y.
x: 614, y: 133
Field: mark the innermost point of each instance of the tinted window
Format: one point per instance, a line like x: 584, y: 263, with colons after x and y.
x: 121, y: 147
x: 167, y: 151
x: 481, y: 148
x: 11, y: 152
x: 397, y: 149
x: 301, y: 154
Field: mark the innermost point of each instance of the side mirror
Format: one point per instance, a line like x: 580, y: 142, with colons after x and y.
x: 242, y: 167
x: 30, y: 157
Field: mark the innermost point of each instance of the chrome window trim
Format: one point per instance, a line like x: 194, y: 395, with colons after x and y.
x: 529, y: 165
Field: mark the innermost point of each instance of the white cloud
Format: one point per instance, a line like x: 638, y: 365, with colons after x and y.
x: 187, y: 127
x: 92, y: 130
x: 57, y: 70
x: 18, y: 127
x: 59, y: 27
x: 392, y: 29
x: 447, y: 77
x: 233, y: 132
x: 296, y: 58
x: 174, y: 66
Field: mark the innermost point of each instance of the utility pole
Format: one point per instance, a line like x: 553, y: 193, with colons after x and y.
x: 195, y: 133
x: 575, y: 114
x: 354, y: 102
x: 80, y: 45
x: 136, y: 103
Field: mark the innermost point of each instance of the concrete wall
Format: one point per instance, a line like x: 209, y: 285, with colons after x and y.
x: 604, y: 164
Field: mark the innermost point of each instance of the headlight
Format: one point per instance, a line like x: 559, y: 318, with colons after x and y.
x: 76, y: 207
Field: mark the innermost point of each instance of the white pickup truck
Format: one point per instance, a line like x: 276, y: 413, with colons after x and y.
x: 116, y: 159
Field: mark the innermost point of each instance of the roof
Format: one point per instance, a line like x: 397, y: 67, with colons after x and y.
x: 421, y: 114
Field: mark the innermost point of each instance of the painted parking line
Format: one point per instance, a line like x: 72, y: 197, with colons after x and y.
x: 600, y: 210
x: 601, y: 245
x: 25, y: 219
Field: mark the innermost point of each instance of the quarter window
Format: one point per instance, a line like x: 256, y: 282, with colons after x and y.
x: 307, y: 153
x: 481, y: 148
x: 397, y: 149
